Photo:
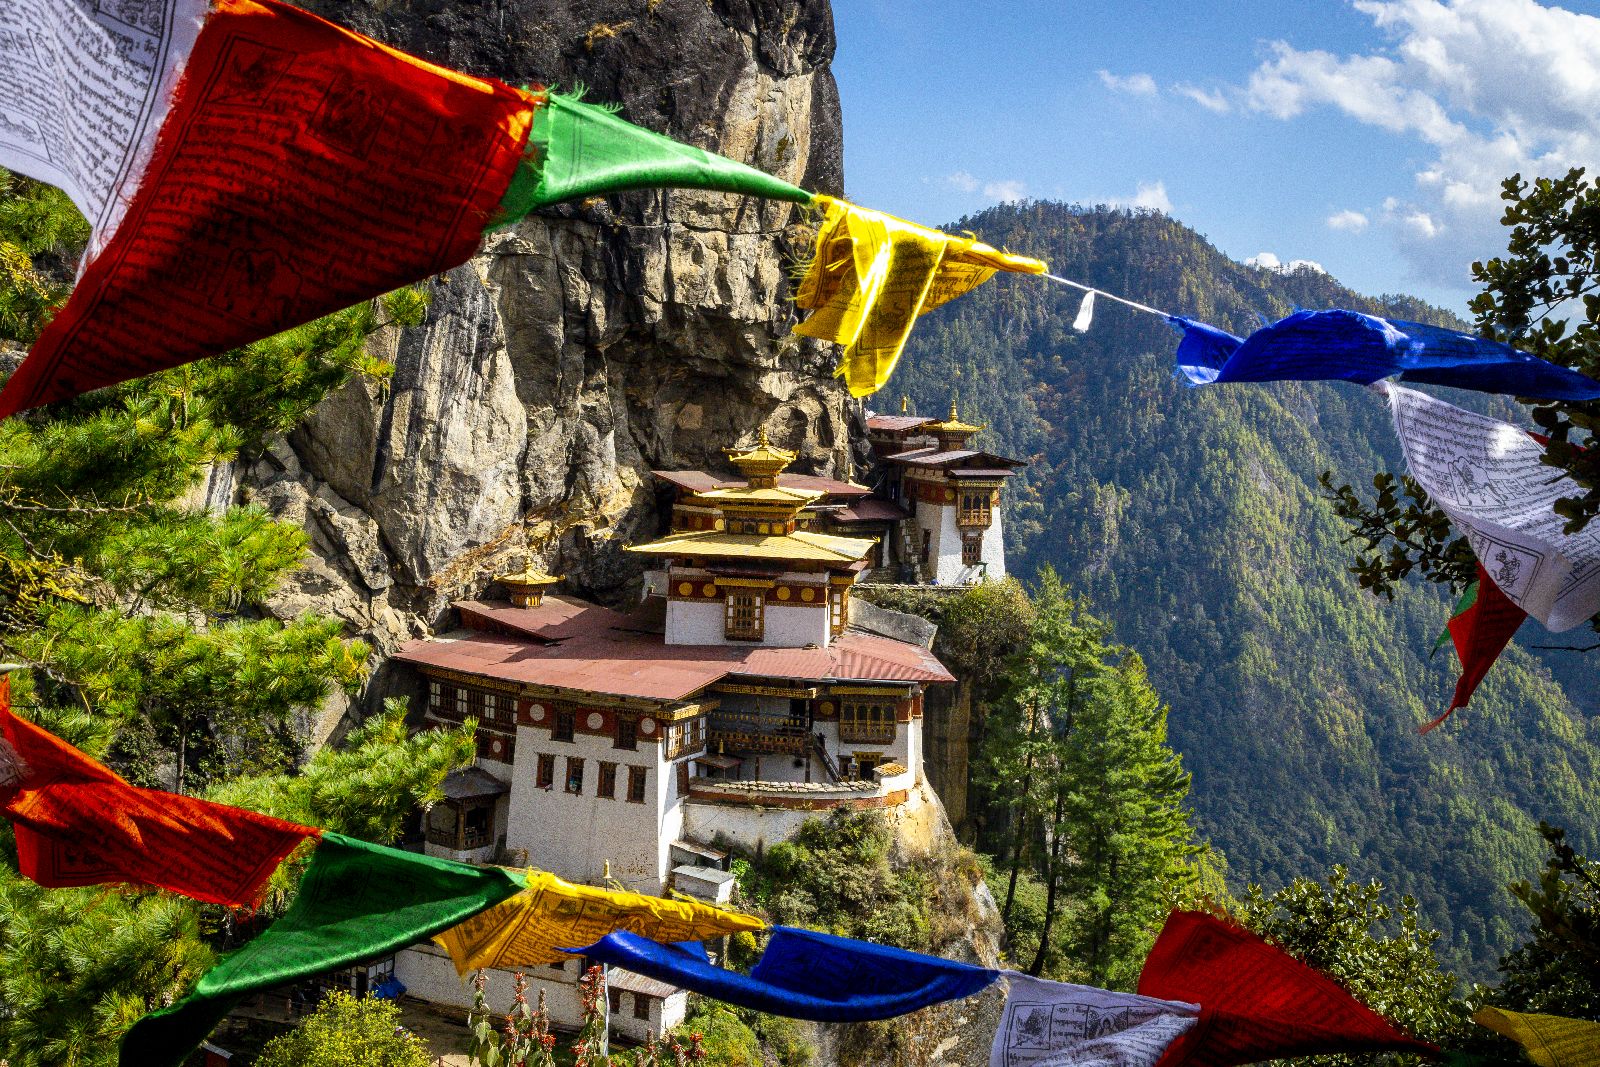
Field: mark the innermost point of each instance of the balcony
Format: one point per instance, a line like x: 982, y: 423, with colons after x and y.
x: 785, y: 741
x: 866, y: 732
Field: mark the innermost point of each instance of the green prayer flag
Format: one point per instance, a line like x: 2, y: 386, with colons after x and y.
x: 579, y: 150
x: 1469, y: 597
x: 357, y: 901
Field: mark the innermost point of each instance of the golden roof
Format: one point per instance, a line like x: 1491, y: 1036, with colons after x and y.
x: 952, y: 425
x: 800, y: 546
x: 529, y: 576
x: 773, y: 496
x: 760, y: 465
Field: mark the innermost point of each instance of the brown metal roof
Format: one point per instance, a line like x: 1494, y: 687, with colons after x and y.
x: 592, y: 655
x: 705, y: 482
x: 638, y: 984
x: 896, y: 423
x: 870, y: 510
x: 557, y: 618
x: 472, y: 782
x: 932, y: 457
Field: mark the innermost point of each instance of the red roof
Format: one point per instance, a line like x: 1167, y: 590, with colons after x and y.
x: 896, y: 423
x: 870, y: 510
x: 932, y: 457
x: 704, y: 482
x: 597, y: 658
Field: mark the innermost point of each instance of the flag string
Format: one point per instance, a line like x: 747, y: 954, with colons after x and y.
x: 1109, y: 296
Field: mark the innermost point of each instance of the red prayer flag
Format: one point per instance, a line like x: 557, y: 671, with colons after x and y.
x: 302, y: 168
x: 1256, y: 1001
x: 78, y: 823
x: 1480, y: 634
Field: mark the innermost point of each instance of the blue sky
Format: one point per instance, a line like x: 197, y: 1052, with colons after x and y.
x: 1366, y: 136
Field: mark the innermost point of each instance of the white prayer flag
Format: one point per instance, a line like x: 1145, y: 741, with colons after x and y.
x: 84, y: 87
x: 1054, y: 1024
x: 1085, y: 313
x: 1486, y: 475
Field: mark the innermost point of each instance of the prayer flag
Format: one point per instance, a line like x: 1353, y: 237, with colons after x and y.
x: 1481, y: 630
x: 1256, y: 1001
x: 301, y: 168
x: 580, y: 150
x: 1053, y: 1024
x: 356, y: 901
x: 1352, y: 347
x: 805, y: 975
x: 1550, y: 1040
x: 77, y: 823
x: 531, y: 928
x: 1469, y: 596
x: 87, y: 86
x: 872, y: 274
x: 1487, y: 476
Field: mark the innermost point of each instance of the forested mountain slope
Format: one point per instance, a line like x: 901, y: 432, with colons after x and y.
x: 1193, y: 518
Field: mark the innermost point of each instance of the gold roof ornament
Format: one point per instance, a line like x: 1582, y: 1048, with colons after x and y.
x: 953, y: 426
x: 528, y: 586
x: 762, y: 464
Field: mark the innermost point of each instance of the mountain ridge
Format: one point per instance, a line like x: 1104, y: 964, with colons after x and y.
x: 1193, y: 519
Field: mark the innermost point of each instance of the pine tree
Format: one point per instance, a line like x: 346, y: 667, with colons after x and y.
x: 139, y: 620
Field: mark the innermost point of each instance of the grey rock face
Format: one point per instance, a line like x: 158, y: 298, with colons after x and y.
x: 583, y: 347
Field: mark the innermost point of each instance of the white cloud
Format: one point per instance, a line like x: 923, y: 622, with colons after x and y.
x: 1151, y: 196
x: 1268, y: 261
x: 963, y: 181
x: 1134, y: 84
x: 1491, y: 87
x: 1005, y: 189
x: 1210, y: 99
x: 1350, y: 221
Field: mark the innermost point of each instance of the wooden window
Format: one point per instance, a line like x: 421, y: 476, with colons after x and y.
x: 862, y: 721
x: 974, y: 509
x: 559, y: 965
x: 565, y: 721
x: 435, y: 696
x: 478, y: 826
x: 837, y: 599
x: 574, y: 774
x: 636, y: 785
x: 461, y: 701
x: 971, y: 551
x: 641, y: 1006
x: 547, y: 771
x: 743, y: 615
x: 614, y: 999
x: 627, y: 732
x: 683, y: 777
x: 607, y: 786
x: 865, y: 762
x: 927, y: 544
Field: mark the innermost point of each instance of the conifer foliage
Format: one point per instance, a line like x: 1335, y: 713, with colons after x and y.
x: 139, y: 615
x: 1076, y: 755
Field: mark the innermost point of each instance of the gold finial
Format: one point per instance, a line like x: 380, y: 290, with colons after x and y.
x: 762, y: 441
x: 953, y: 398
x: 607, y: 872
x: 905, y: 404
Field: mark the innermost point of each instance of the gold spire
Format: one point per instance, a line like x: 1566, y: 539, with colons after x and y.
x: 905, y: 404
x: 762, y: 464
x: 953, y: 428
x: 527, y: 586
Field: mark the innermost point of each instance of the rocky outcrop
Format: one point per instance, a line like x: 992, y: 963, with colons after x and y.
x: 585, y: 346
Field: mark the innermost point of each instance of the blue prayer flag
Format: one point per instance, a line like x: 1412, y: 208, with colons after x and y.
x: 805, y: 975
x: 1352, y: 347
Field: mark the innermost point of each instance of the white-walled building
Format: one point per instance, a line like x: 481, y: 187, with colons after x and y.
x: 733, y: 704
x: 952, y: 533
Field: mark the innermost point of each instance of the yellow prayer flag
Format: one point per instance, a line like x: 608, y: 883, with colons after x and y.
x: 532, y: 927
x: 872, y: 274
x: 1550, y: 1040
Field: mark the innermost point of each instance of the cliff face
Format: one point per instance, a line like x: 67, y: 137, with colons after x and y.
x: 585, y: 346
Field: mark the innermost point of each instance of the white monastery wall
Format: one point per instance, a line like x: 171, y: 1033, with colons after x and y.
x: 574, y: 834
x: 691, y: 622
x: 426, y: 972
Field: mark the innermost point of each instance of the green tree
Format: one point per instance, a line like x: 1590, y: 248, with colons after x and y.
x: 348, y: 1032
x: 1097, y: 841
x: 1557, y: 970
x: 140, y: 619
x: 1381, y: 953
